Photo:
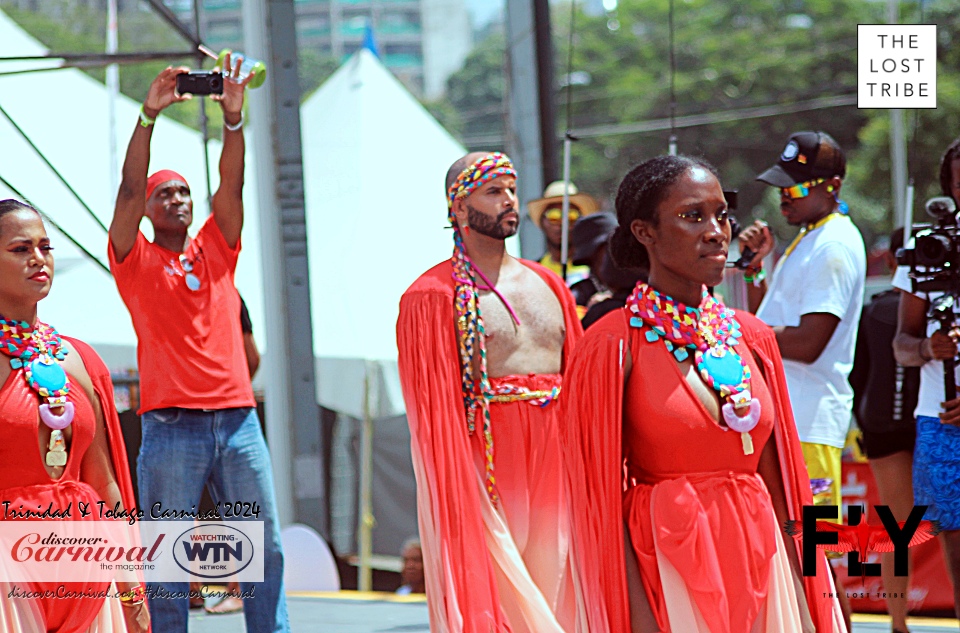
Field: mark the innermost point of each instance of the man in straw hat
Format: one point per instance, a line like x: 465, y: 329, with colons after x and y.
x: 547, y: 213
x: 481, y: 393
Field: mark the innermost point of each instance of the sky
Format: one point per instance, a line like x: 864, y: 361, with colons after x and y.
x: 483, y: 11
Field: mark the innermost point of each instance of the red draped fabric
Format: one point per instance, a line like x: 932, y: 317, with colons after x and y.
x: 25, y: 482
x: 712, y: 517
x: 459, y: 566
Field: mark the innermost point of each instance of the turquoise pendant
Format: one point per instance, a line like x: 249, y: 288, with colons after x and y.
x: 48, y: 375
x: 725, y: 369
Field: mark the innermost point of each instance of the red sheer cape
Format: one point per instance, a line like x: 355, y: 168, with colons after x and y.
x: 461, y: 585
x: 103, y: 388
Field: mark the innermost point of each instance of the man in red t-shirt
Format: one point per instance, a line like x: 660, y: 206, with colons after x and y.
x: 198, y: 413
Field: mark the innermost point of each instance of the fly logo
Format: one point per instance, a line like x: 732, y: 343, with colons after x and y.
x: 858, y: 538
x: 213, y: 550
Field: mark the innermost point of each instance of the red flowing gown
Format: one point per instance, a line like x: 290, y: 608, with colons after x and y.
x: 700, y: 519
x: 24, y: 480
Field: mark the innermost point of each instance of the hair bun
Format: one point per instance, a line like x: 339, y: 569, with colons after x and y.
x: 626, y: 251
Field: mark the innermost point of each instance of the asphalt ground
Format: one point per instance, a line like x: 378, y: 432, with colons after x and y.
x: 356, y: 612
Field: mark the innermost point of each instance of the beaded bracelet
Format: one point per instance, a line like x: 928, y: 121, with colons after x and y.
x: 755, y: 278
x: 145, y: 121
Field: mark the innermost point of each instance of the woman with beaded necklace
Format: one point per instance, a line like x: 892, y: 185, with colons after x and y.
x: 681, y: 445
x: 60, y: 442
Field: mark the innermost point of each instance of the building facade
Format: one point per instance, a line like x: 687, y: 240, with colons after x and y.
x: 421, y: 41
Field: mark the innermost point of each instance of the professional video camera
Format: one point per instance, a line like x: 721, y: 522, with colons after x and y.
x: 934, y: 263
x: 934, y: 260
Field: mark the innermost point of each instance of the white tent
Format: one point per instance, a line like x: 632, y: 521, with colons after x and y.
x: 64, y: 114
x: 374, y: 164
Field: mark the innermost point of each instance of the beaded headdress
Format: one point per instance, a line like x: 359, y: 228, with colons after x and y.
x: 469, y: 321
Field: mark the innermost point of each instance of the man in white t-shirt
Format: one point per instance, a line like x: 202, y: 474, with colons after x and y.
x: 813, y: 303
x: 814, y: 299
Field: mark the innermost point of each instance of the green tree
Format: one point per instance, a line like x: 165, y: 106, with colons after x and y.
x: 314, y: 68
x: 929, y: 132
x: 728, y: 56
x: 476, y: 95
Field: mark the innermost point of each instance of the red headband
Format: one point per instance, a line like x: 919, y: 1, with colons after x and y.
x: 162, y: 176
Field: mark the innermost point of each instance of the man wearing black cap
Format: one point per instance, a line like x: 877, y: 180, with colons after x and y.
x: 589, y: 238
x: 814, y: 299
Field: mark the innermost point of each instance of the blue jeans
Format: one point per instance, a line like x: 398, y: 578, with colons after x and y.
x: 183, y: 449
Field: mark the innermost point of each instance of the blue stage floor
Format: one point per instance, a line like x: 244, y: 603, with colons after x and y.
x: 353, y: 612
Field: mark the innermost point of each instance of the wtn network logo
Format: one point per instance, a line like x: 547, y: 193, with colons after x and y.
x: 213, y: 551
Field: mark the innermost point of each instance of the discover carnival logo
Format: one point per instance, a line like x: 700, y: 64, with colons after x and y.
x: 105, y: 551
x: 213, y: 550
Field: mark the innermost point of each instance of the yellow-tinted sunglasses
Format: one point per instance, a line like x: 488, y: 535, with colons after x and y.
x: 801, y: 189
x: 555, y: 213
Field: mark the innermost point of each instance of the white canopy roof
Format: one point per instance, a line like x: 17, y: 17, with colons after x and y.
x: 374, y: 163
x: 374, y: 166
x: 65, y: 115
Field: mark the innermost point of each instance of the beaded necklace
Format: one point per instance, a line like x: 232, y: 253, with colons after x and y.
x: 38, y: 350
x: 711, y: 332
x: 475, y: 389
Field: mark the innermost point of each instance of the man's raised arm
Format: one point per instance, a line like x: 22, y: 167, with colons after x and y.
x: 131, y: 198
x: 228, y: 201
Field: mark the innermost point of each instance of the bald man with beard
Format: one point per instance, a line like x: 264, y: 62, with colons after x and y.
x: 482, y: 341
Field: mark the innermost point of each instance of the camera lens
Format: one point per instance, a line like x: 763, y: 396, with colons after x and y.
x: 216, y: 83
x: 932, y: 250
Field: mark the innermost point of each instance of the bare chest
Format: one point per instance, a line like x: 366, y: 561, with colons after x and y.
x: 536, y: 344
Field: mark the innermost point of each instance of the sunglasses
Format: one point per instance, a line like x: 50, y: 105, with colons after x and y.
x: 192, y: 281
x: 801, y: 189
x: 554, y: 215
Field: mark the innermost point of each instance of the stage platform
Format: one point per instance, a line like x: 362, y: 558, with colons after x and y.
x: 356, y: 612
x: 341, y: 612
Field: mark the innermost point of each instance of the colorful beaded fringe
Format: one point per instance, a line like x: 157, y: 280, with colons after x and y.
x: 475, y: 389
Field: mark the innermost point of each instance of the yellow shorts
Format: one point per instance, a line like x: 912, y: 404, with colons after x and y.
x: 823, y: 466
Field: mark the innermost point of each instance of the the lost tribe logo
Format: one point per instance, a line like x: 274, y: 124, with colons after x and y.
x: 858, y: 538
x: 213, y: 551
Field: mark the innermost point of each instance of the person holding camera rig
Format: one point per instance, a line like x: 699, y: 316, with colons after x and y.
x: 199, y: 419
x: 922, y: 342
x: 884, y: 397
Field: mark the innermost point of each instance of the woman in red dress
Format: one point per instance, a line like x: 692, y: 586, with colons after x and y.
x: 680, y: 440
x: 60, y: 441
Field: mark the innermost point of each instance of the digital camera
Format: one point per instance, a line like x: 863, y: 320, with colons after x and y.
x: 200, y: 82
